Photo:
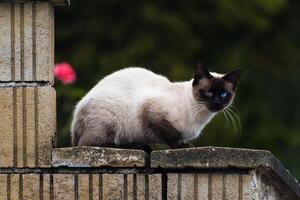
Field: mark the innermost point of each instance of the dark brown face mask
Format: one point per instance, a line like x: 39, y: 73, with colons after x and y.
x: 215, y: 92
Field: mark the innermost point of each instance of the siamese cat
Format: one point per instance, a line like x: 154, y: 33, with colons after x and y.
x: 135, y: 106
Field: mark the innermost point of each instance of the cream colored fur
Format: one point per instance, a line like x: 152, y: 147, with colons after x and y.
x: 117, y: 100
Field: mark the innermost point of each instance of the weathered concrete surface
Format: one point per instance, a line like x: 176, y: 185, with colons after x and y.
x: 63, y: 186
x: 5, y: 42
x: 30, y: 186
x: 136, y: 186
x: 211, y: 157
x: 27, y: 41
x: 220, y: 157
x: 98, y: 157
x: 155, y: 187
x: 73, y: 183
x: 27, y: 126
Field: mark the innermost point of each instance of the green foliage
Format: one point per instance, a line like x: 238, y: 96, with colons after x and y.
x: 259, y: 36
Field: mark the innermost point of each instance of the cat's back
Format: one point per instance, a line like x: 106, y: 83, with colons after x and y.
x: 129, y: 80
x: 134, y: 75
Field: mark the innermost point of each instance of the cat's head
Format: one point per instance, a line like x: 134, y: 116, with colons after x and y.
x: 214, y: 90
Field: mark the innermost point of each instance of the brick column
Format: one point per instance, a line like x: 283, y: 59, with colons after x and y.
x: 27, y: 98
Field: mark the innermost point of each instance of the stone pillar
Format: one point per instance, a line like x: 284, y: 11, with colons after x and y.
x: 27, y: 98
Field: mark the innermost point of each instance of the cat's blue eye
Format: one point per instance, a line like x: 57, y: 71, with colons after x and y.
x: 224, y: 94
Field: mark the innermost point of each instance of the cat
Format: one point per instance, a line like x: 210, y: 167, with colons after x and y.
x: 135, y: 106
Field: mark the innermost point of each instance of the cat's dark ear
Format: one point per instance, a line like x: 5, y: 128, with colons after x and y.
x: 233, y: 76
x: 200, y: 73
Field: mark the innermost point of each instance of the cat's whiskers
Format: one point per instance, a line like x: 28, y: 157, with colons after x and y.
x: 197, y: 111
x: 231, y: 119
x: 199, y: 105
x: 234, y: 118
x: 237, y: 117
x: 226, y: 119
x: 228, y: 116
x: 198, y: 108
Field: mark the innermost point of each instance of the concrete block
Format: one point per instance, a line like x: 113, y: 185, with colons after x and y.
x: 30, y: 187
x: 98, y: 157
x: 45, y: 186
x: 268, y: 191
x: 187, y: 186
x: 44, y: 41
x: 22, y: 186
x: 46, y: 124
x: 173, y: 186
x: 63, y: 186
x: 3, y: 186
x: 95, y: 186
x: 83, y: 186
x: 26, y: 41
x: 14, y: 189
x: 7, y: 128
x: 232, y: 184
x: 135, y: 186
x: 87, y: 186
x: 141, y: 186
x: 113, y: 186
x: 27, y: 127
x: 202, y: 186
x: 5, y: 41
x: 155, y: 187
x: 250, y: 187
x: 216, y: 186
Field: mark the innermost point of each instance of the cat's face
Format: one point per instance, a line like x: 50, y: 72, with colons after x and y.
x: 215, y: 91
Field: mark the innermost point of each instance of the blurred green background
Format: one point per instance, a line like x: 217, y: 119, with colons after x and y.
x: 262, y: 37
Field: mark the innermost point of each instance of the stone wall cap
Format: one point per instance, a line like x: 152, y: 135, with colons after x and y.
x: 222, y: 157
x: 54, y: 2
x: 211, y: 157
x: 98, y: 157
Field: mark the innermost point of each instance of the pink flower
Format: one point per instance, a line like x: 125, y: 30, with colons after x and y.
x: 65, y: 73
